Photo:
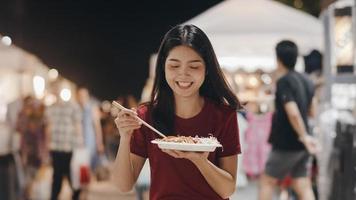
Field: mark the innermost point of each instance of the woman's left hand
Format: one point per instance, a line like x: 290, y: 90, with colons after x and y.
x: 190, y: 155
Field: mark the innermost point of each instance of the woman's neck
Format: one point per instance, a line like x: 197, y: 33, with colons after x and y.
x: 189, y: 107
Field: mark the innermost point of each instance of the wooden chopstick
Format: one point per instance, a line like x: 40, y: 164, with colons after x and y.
x: 119, y: 106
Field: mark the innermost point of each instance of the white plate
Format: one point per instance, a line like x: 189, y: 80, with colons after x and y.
x: 186, y: 146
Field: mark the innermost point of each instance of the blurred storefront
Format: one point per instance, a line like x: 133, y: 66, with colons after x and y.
x: 17, y: 71
x: 26, y: 85
x: 339, y: 60
x: 337, y: 111
x: 22, y: 74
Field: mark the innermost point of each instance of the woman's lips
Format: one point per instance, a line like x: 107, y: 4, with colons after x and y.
x: 184, y: 84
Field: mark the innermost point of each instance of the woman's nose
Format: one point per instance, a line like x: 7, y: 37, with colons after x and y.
x: 184, y: 70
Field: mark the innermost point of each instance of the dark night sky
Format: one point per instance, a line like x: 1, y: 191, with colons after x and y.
x: 104, y: 45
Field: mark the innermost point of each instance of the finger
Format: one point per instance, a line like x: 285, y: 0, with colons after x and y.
x: 130, y: 127
x: 119, y: 121
x: 127, y: 119
x: 179, y: 153
x: 312, y: 150
x: 116, y: 120
x: 127, y: 112
x: 125, y: 116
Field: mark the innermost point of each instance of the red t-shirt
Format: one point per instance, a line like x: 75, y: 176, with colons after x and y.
x: 172, y: 178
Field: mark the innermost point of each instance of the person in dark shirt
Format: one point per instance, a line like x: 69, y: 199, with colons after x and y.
x: 290, y: 137
x: 190, y: 97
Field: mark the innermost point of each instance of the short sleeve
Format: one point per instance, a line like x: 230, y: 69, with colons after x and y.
x: 138, y: 143
x: 230, y: 137
x: 310, y: 89
x: 284, y: 92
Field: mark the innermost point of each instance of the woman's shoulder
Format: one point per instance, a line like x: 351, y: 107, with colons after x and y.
x: 220, y: 109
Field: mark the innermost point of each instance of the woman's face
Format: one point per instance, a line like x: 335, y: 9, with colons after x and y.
x: 184, y: 71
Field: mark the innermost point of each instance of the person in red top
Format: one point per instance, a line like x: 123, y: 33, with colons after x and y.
x: 190, y: 97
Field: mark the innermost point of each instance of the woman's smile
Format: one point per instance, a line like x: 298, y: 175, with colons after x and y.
x: 184, y: 84
x: 184, y: 71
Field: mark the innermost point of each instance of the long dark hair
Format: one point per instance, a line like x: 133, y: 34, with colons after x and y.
x: 215, y: 87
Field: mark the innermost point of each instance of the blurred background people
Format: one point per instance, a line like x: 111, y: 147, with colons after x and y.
x: 256, y: 139
x: 31, y: 125
x: 290, y: 134
x: 111, y: 136
x: 7, y: 166
x: 11, y: 181
x: 92, y: 130
x: 64, y: 133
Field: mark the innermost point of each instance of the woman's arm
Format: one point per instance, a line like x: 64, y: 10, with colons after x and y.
x: 222, y: 180
x: 127, y: 166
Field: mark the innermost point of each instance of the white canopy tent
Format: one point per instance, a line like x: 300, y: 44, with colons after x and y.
x: 244, y: 32
x: 17, y: 69
x: 13, y: 58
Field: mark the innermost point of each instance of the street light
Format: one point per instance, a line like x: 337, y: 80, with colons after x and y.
x: 6, y: 40
x: 65, y: 94
x: 39, y: 86
x: 53, y: 74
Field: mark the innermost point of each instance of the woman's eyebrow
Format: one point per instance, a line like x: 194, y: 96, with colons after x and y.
x: 173, y: 59
x: 192, y: 61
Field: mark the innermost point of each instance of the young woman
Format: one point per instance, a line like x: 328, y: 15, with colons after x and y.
x: 190, y: 97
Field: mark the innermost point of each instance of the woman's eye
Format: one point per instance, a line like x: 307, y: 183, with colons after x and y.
x: 194, y: 67
x: 174, y: 66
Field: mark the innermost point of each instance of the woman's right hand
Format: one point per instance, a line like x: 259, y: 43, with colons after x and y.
x: 126, y: 122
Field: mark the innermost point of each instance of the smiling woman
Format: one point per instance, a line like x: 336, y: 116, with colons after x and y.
x: 185, y: 71
x: 190, y: 95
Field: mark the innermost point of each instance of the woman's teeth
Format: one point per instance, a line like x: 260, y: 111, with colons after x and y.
x: 184, y: 84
